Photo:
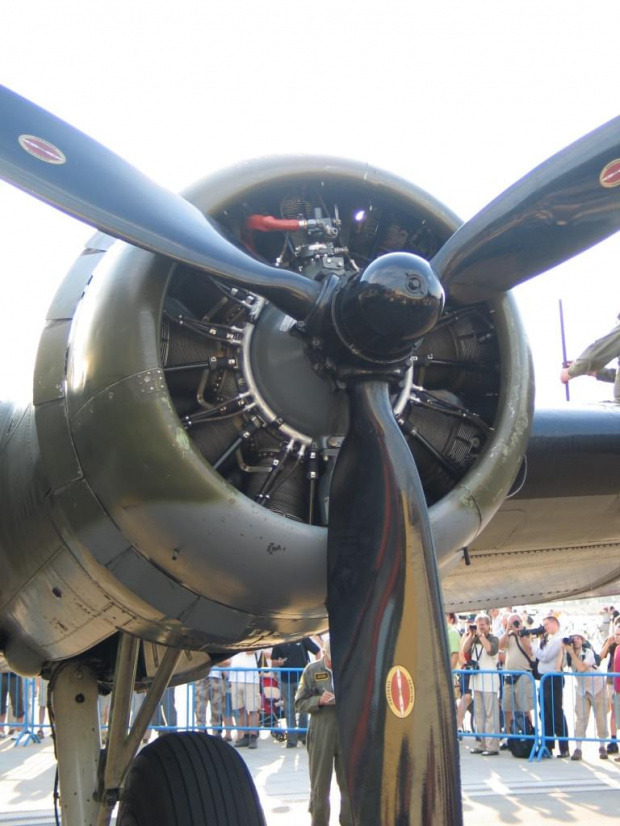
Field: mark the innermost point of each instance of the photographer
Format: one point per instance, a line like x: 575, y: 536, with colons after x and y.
x: 483, y: 649
x: 550, y: 655
x: 518, y: 690
x: 589, y: 692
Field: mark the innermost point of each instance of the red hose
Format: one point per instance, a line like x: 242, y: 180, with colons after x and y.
x: 268, y: 223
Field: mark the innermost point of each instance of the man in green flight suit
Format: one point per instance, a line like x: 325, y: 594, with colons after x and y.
x: 315, y: 696
x: 593, y: 360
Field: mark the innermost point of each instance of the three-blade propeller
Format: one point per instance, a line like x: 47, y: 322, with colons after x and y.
x: 392, y: 675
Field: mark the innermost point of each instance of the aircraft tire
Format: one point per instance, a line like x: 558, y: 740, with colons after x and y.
x: 189, y: 779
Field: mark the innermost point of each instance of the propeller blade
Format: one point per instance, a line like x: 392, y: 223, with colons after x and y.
x: 62, y: 166
x: 393, y: 684
x: 566, y: 205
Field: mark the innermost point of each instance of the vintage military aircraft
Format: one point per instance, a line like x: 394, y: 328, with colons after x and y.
x: 300, y: 392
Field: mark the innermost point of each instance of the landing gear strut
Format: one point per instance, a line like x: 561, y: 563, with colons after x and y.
x: 189, y: 778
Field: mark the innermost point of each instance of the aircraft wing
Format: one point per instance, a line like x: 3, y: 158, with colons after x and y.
x: 558, y: 535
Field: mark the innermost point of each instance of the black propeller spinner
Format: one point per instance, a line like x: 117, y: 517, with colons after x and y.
x: 392, y: 675
x: 381, y: 314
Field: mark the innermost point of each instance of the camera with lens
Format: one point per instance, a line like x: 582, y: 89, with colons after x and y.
x: 473, y: 627
x: 471, y: 666
x: 567, y: 640
x: 531, y: 632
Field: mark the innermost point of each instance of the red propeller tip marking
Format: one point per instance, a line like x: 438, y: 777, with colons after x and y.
x: 41, y: 149
x: 610, y: 176
x: 400, y: 691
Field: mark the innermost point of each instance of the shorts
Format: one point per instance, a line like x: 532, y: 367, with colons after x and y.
x: 245, y: 695
x: 520, y: 695
x: 42, y: 692
x: 616, y: 708
x: 464, y: 683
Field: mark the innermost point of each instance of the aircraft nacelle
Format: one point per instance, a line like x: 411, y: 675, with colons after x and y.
x: 123, y: 513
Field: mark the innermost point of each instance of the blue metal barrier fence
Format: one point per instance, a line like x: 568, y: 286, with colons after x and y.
x: 559, y: 708
x: 567, y: 699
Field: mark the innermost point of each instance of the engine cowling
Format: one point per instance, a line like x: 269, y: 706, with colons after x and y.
x: 183, y: 433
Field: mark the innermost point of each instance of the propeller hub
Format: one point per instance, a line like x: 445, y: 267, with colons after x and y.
x: 381, y: 314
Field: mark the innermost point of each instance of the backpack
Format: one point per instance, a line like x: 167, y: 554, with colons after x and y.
x: 521, y: 746
x: 597, y: 657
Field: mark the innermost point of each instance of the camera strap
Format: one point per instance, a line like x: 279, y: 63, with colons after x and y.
x: 533, y: 663
x: 478, y: 652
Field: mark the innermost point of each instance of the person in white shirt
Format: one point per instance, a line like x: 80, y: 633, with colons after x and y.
x: 483, y: 650
x: 245, y: 695
x: 589, y: 693
x: 550, y: 655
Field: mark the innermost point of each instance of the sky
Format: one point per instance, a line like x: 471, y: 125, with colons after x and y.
x: 461, y: 98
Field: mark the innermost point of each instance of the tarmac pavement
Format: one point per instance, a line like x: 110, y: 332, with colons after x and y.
x: 496, y: 790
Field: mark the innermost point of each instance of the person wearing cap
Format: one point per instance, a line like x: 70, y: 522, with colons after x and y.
x: 315, y: 696
x: 593, y: 360
x: 550, y: 655
x: 589, y: 692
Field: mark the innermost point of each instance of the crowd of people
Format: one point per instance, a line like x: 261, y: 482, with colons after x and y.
x: 500, y: 656
x: 254, y: 690
x: 506, y: 666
